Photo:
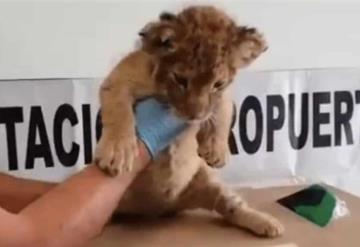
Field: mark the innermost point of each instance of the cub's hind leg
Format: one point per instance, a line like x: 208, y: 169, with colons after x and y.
x: 204, y: 192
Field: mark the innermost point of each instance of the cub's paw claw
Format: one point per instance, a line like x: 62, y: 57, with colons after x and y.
x: 116, y: 155
x: 214, y: 153
x: 268, y: 226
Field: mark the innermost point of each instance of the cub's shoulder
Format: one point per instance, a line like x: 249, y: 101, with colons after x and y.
x: 137, y: 60
x: 135, y: 70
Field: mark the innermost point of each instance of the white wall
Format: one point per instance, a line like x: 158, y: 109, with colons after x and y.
x: 85, y: 39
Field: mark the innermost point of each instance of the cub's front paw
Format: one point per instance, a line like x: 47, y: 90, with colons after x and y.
x: 214, y: 152
x: 115, y: 154
x: 267, y: 226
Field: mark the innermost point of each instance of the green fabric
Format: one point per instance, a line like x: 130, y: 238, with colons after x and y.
x: 314, y: 203
x: 320, y: 214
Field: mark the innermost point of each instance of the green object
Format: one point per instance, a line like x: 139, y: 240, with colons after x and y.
x: 314, y: 203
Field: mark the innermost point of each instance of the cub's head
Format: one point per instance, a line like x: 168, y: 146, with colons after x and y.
x: 197, y: 53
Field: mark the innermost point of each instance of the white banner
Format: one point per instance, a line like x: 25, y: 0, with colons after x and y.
x: 297, y: 125
x: 47, y: 127
x: 289, y: 125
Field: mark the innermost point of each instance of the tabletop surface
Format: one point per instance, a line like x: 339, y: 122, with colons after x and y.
x: 200, y: 228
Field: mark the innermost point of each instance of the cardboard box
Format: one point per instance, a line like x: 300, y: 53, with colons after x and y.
x: 201, y: 228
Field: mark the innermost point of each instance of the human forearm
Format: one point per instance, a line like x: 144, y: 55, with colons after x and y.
x: 11, y: 227
x: 17, y: 193
x: 77, y: 210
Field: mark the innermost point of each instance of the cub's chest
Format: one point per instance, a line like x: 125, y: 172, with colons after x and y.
x: 173, y: 170
x: 157, y: 189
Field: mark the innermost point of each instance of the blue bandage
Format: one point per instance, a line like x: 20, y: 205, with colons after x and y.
x: 156, y: 126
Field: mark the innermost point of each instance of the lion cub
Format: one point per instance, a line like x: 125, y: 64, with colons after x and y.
x: 188, y: 60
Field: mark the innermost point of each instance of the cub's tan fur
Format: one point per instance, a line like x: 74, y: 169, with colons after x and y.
x: 187, y: 60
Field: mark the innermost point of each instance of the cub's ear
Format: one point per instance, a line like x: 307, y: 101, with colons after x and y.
x: 249, y: 44
x: 167, y: 16
x: 160, y: 37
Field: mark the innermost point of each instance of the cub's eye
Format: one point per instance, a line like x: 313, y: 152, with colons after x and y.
x: 182, y: 81
x: 218, y: 85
